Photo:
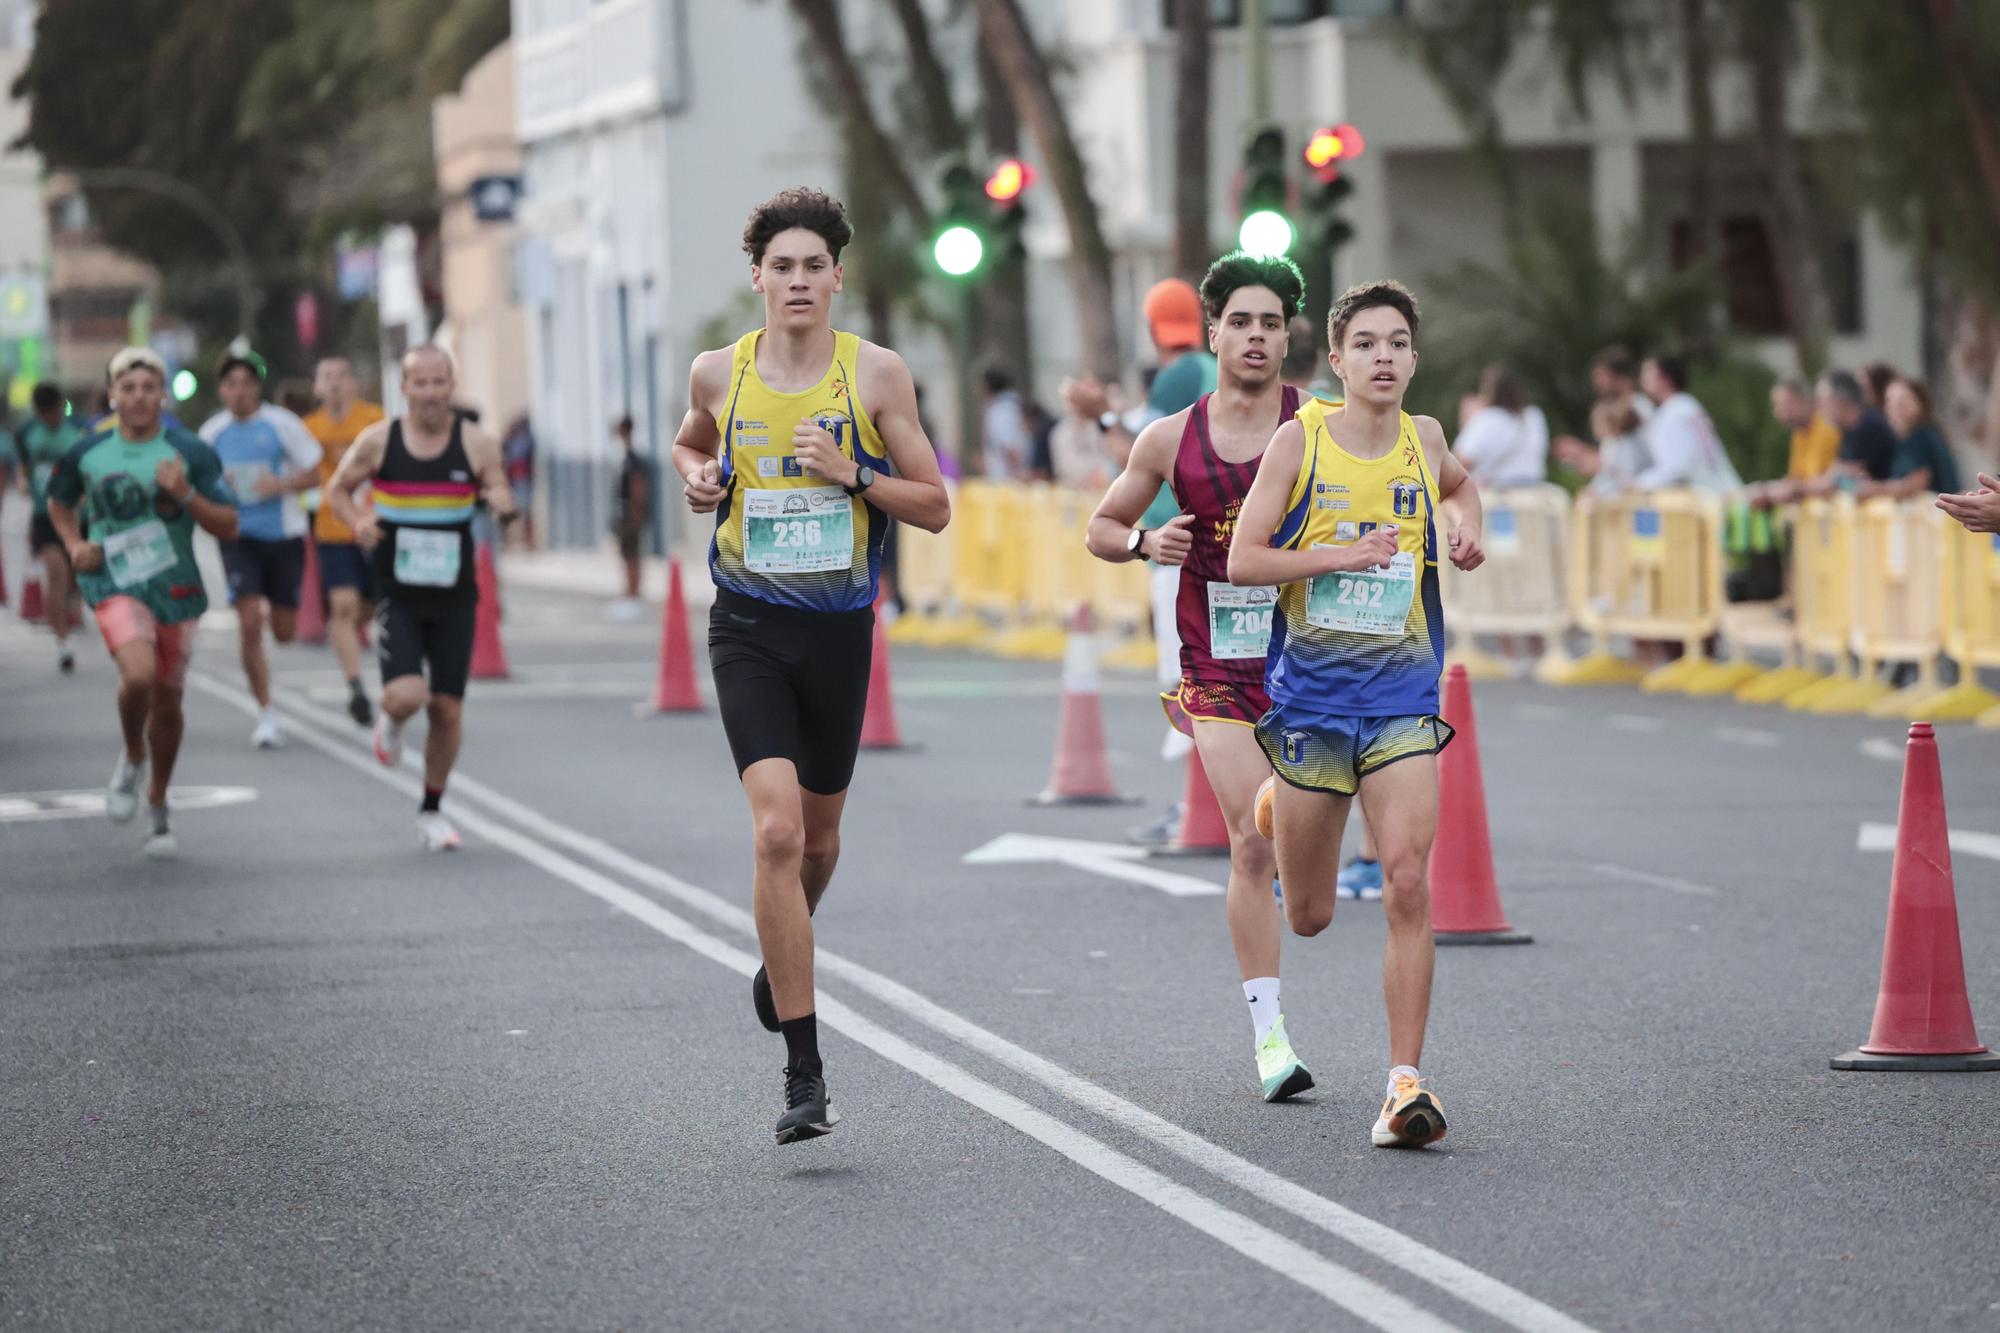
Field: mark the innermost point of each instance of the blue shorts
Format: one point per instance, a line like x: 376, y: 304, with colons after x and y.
x: 1331, y: 752
x: 270, y: 570
x: 342, y: 565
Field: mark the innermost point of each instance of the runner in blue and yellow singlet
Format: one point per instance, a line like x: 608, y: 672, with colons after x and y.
x: 1345, y: 515
x: 804, y: 443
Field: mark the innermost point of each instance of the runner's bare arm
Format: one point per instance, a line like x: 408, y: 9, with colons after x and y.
x: 915, y: 493
x: 86, y: 556
x: 359, y: 464
x: 490, y: 470
x: 700, y: 436
x: 1458, y: 497
x: 1253, y: 561
x: 216, y: 517
x: 1147, y: 468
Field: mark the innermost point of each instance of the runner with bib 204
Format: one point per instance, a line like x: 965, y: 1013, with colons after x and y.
x: 1209, y: 455
x: 1345, y: 515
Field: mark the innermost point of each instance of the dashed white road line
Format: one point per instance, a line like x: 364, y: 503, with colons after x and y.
x: 1884, y: 749
x: 1966, y: 842
x: 1652, y: 880
x: 1636, y: 722
x: 1763, y: 740
x: 1451, y: 1276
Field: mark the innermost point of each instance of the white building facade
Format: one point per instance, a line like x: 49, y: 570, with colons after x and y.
x: 649, y: 128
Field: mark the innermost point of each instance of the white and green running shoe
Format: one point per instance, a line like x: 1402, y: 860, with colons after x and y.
x: 1278, y: 1066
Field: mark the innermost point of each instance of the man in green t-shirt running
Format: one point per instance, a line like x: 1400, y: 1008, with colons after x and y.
x: 40, y: 443
x: 125, y: 502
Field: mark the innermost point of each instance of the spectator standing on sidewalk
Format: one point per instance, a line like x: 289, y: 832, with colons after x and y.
x: 1505, y: 442
x: 631, y: 515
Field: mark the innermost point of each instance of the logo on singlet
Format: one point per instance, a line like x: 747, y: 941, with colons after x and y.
x: 1404, y: 496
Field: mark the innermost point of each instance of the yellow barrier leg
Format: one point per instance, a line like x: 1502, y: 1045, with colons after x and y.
x: 1674, y: 676
x: 1966, y: 701
x: 1598, y: 668
x: 1908, y: 702
x: 1990, y: 718
x: 1478, y: 665
x: 1853, y: 696
x: 1135, y: 654
x: 1802, y: 701
x: 1776, y: 686
x: 1720, y: 678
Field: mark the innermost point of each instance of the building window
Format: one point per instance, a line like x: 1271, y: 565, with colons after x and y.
x: 1753, y: 290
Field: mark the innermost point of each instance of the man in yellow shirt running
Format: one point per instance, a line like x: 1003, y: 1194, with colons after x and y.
x: 343, y: 569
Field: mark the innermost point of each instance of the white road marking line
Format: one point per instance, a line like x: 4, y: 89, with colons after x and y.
x: 1110, y: 859
x: 1636, y: 722
x: 1539, y: 713
x: 1747, y: 736
x: 1881, y: 747
x: 1358, y: 1295
x: 1654, y: 881
x: 1966, y: 842
x: 1450, y: 1275
x: 36, y: 806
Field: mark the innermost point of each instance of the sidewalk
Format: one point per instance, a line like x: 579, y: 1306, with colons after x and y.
x: 596, y: 572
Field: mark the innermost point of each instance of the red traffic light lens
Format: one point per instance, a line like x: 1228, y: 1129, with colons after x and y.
x: 1324, y: 148
x: 1351, y: 142
x: 1011, y: 177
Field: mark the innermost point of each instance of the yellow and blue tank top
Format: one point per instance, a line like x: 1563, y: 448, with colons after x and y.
x: 782, y: 535
x: 1371, y: 643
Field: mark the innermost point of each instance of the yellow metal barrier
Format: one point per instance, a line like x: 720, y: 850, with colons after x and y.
x: 1521, y: 590
x: 1646, y: 566
x: 1823, y: 594
x: 1971, y: 564
x: 1898, y: 601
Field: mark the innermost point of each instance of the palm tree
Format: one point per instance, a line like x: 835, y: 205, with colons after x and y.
x: 1191, y: 108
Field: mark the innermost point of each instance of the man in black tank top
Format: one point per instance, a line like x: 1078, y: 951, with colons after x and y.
x: 429, y: 469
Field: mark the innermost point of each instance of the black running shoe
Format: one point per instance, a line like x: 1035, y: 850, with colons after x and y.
x: 358, y: 709
x: 808, y: 1114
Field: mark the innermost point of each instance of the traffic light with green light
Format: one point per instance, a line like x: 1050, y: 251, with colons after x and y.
x: 959, y: 247
x: 1266, y: 229
x: 1326, y: 152
x: 184, y: 385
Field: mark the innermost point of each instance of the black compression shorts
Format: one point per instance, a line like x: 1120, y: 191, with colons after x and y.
x: 792, y: 684
x: 406, y: 637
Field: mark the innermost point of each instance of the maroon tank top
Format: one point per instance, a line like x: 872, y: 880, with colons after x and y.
x: 1213, y: 491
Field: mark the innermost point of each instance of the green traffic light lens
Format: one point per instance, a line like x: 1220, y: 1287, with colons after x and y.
x: 1266, y: 234
x: 958, y: 250
x: 184, y: 385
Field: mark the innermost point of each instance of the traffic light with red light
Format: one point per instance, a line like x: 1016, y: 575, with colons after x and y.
x: 1326, y: 151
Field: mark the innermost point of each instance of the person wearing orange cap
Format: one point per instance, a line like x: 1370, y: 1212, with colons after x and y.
x: 1185, y: 372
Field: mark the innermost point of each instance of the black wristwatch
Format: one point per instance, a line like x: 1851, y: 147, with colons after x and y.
x: 864, y: 477
x: 1135, y: 541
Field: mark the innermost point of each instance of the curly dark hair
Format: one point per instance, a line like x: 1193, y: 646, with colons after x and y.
x: 814, y: 210
x: 1366, y: 296
x: 1240, y: 268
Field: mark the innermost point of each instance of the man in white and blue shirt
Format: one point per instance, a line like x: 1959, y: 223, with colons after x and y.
x: 269, y: 457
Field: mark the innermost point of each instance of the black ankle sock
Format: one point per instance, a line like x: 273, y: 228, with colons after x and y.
x: 802, y: 1043
x: 432, y: 795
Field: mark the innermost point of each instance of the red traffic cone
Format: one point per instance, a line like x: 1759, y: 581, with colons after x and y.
x: 1204, y: 832
x: 1081, y: 773
x: 676, y: 691
x: 1465, y: 900
x: 312, y: 601
x: 878, y: 725
x: 489, y: 659
x: 1923, y: 1020
x: 32, y: 609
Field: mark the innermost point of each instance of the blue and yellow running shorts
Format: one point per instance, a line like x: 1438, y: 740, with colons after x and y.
x: 1332, y: 752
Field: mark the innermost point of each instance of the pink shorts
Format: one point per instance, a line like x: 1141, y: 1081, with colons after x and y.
x: 124, y: 619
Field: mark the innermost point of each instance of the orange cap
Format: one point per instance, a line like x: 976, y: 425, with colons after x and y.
x: 1173, y: 312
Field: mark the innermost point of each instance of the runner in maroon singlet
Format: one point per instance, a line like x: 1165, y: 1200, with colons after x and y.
x: 1209, y: 454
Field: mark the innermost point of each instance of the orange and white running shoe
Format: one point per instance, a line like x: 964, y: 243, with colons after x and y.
x: 1412, y: 1116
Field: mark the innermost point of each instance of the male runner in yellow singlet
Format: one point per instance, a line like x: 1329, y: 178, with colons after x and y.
x: 803, y: 442
x: 1345, y: 515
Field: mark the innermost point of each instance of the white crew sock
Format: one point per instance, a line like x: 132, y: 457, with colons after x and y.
x: 1410, y: 1070
x: 1262, y: 992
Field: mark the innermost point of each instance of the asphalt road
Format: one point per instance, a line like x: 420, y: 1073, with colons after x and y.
x: 308, y: 1077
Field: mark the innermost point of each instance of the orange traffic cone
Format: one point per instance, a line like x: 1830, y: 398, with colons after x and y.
x: 1465, y: 900
x: 489, y: 659
x: 32, y: 609
x: 878, y: 725
x: 312, y: 601
x: 1923, y: 1020
x: 1081, y: 773
x: 1204, y: 832
x: 675, y: 691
